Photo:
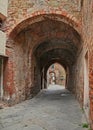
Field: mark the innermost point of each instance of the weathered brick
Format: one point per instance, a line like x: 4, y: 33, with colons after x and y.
x: 40, y: 30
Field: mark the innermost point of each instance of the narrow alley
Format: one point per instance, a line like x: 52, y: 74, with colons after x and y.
x: 45, y: 42
x: 54, y: 108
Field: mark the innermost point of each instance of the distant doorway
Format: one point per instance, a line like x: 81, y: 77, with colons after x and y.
x: 56, y: 75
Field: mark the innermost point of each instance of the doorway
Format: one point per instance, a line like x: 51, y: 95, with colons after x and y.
x: 56, y: 75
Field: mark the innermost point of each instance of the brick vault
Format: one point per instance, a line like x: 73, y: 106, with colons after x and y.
x: 40, y: 33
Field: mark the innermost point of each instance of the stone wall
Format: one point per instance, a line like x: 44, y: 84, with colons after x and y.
x: 2, y: 42
x: 3, y: 8
x: 78, y: 76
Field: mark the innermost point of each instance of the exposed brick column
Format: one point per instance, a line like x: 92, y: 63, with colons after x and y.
x: 9, y: 75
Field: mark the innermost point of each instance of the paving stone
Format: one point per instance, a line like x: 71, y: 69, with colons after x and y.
x: 47, y: 111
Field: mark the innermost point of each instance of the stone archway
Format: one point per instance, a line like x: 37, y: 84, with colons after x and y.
x: 30, y: 48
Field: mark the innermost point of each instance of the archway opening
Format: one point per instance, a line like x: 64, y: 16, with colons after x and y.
x: 56, y: 75
x: 40, y: 45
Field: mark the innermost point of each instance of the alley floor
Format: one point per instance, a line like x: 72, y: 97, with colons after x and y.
x: 52, y: 109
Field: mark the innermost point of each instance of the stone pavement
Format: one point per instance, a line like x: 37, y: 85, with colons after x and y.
x: 52, y: 109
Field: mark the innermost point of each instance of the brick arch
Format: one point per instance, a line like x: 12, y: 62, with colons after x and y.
x: 54, y: 14
x: 77, y: 42
x: 28, y: 67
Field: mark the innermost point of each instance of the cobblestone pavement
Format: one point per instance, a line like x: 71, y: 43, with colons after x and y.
x: 52, y: 109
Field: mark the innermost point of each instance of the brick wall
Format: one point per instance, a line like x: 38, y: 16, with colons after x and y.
x: 87, y: 15
x: 19, y: 10
x: 23, y: 68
